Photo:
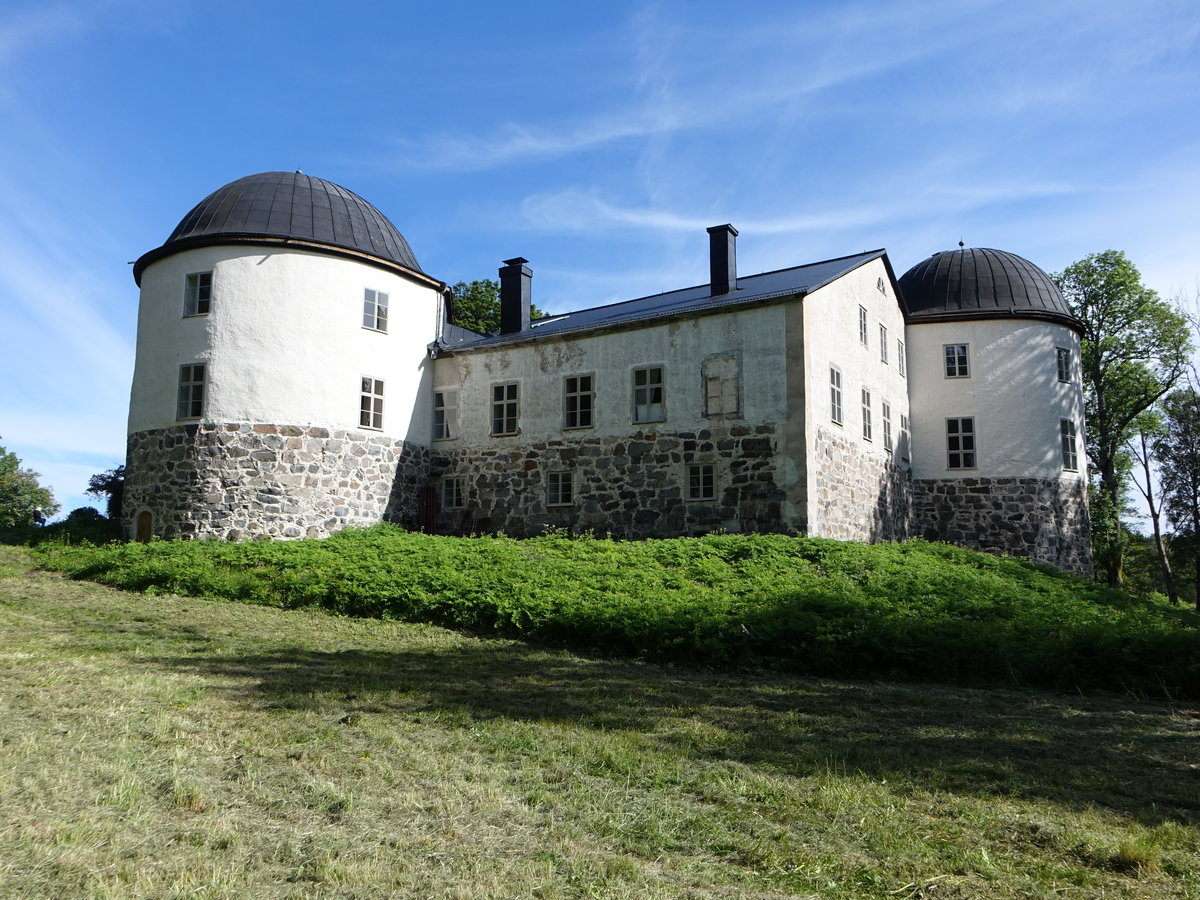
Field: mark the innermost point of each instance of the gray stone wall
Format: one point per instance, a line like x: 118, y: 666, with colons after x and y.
x: 1042, y: 519
x: 628, y: 487
x: 857, y: 496
x: 283, y: 481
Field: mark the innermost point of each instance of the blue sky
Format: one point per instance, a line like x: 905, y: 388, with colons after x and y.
x: 596, y: 140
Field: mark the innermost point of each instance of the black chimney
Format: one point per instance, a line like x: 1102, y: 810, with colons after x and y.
x: 722, y: 259
x: 516, y: 281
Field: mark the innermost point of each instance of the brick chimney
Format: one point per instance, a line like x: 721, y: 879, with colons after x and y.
x: 516, y: 289
x: 722, y: 259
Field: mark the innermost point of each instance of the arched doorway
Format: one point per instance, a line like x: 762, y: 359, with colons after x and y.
x: 145, y: 521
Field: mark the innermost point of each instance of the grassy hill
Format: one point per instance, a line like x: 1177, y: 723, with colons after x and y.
x: 913, y: 611
x: 162, y: 746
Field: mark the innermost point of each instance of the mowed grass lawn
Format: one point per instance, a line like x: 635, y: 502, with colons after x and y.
x: 158, y: 746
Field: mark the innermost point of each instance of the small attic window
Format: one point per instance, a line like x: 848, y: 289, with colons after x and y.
x: 881, y: 284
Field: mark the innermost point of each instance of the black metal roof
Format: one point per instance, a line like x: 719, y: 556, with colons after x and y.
x: 686, y: 301
x: 288, y: 206
x: 977, y: 283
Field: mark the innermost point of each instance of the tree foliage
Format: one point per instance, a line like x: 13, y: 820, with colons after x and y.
x: 21, y: 493
x: 1134, y: 348
x: 1178, y: 454
x: 476, y: 305
x: 110, y: 487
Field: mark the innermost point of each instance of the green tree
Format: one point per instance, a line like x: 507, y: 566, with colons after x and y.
x: 1178, y: 454
x: 110, y: 487
x: 21, y: 493
x: 1135, y: 347
x: 476, y: 305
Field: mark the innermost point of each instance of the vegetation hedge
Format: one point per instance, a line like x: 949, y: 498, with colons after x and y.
x: 807, y: 605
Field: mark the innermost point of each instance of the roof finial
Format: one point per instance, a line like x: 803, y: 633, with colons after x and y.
x: 961, y: 244
x: 298, y: 172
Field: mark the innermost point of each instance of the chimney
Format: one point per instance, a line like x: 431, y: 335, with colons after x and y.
x: 516, y: 281
x: 722, y: 259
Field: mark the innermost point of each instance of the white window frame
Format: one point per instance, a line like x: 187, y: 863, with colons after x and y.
x: 962, y: 448
x: 905, y: 438
x: 445, y: 414
x: 643, y: 395
x: 375, y: 310
x: 1070, y: 447
x: 863, y: 327
x: 883, y: 344
x: 579, y: 401
x: 454, y: 492
x: 506, y: 408
x: 193, y: 380
x: 1063, y: 363
x: 560, y: 488
x: 701, y: 484
x: 370, y: 404
x: 835, y: 396
x: 866, y: 415
x: 886, y: 415
x: 197, y: 294
x: 956, y: 360
x: 901, y: 362
x: 721, y: 382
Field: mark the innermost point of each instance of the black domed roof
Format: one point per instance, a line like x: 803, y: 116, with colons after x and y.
x: 287, y: 206
x: 976, y: 283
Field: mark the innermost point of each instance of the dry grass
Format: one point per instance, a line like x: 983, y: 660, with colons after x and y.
x: 168, y: 747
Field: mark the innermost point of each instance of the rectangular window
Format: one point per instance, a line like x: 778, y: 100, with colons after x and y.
x: 866, y: 414
x: 956, y: 361
x: 454, y: 494
x: 960, y: 443
x: 197, y: 293
x: 370, y: 410
x: 578, y: 401
x: 701, y: 483
x: 375, y: 304
x: 560, y: 488
x: 887, y: 426
x: 1070, y: 453
x: 904, y: 438
x: 648, y: 403
x: 445, y: 415
x: 901, y: 362
x: 883, y: 344
x: 722, y: 385
x: 863, y: 328
x: 191, y: 391
x: 835, y: 395
x: 504, y: 408
x: 1064, y: 363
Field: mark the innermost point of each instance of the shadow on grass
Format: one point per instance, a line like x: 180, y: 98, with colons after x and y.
x: 1132, y: 758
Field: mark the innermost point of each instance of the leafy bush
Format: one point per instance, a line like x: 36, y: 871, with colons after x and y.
x: 807, y: 605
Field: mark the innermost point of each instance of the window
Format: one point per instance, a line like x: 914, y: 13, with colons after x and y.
x: 722, y: 385
x: 956, y: 361
x: 862, y: 325
x: 197, y: 293
x: 370, y: 413
x: 504, y: 408
x: 701, y: 483
x: 881, y: 285
x: 578, y: 401
x: 560, y: 489
x: 648, y: 395
x: 901, y: 362
x: 866, y: 414
x: 835, y: 395
x: 887, y: 426
x: 904, y: 438
x: 454, y: 494
x: 883, y: 344
x: 375, y: 304
x: 191, y: 391
x: 445, y: 415
x: 1070, y: 453
x: 1064, y: 363
x: 960, y: 443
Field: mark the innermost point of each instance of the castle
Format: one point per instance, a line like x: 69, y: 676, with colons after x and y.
x: 297, y: 373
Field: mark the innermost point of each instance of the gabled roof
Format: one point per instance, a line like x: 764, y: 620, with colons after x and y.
x: 796, y: 281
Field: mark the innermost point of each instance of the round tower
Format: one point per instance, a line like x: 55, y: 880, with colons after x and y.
x: 280, y: 385
x: 997, y: 408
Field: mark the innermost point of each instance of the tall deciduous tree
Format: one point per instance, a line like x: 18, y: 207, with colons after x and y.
x: 21, y: 493
x: 476, y: 305
x: 1178, y: 453
x: 1135, y: 347
x: 110, y: 487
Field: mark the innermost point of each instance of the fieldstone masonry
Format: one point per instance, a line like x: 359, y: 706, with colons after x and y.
x: 288, y: 481
x: 857, y: 496
x: 629, y: 487
x: 1042, y: 519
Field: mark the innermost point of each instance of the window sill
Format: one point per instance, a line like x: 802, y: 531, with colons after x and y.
x: 578, y: 427
x: 376, y: 330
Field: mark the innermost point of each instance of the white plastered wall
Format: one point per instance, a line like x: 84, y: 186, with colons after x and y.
x: 284, y: 341
x: 1013, y: 392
